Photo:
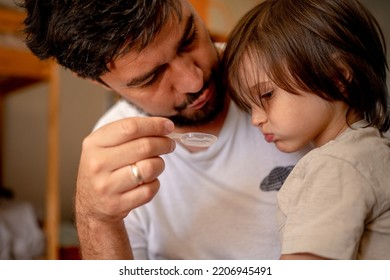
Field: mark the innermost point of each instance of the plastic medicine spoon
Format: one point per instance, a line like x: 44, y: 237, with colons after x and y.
x: 195, y: 139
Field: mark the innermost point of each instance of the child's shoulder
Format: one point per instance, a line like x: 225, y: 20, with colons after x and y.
x: 359, y: 147
x: 363, y: 151
x: 358, y: 142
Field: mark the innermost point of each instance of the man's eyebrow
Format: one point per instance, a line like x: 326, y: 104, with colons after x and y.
x: 139, y: 80
x: 189, y: 24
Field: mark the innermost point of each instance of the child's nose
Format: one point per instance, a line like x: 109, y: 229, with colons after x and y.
x: 259, y: 117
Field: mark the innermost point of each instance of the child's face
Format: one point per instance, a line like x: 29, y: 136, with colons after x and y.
x: 292, y: 121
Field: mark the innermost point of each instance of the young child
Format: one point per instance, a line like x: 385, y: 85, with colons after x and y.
x: 314, y: 71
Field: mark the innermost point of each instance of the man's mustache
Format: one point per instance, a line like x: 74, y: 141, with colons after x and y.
x: 191, y: 97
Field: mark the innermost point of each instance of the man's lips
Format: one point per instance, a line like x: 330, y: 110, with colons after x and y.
x: 201, y: 101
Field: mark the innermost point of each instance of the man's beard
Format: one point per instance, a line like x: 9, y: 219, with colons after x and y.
x: 206, y: 114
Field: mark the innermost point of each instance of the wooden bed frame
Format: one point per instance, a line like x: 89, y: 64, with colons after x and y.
x: 19, y: 68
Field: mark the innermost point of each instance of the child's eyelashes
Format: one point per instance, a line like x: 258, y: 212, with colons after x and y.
x: 266, y: 95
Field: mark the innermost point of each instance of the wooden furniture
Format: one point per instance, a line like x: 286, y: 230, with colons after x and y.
x: 203, y: 7
x: 19, y: 68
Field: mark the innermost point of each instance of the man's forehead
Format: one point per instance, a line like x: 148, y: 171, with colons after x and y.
x: 142, y: 63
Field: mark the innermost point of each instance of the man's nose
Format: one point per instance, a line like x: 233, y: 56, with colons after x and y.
x: 187, y: 75
x: 259, y: 116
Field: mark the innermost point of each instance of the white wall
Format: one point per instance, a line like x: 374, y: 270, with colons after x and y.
x: 25, y: 138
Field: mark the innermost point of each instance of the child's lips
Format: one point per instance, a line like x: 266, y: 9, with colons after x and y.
x: 269, y: 137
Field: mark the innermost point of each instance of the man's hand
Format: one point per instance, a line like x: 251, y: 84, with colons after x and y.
x: 118, y: 172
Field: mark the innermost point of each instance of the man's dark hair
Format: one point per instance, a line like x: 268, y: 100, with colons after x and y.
x: 85, y: 35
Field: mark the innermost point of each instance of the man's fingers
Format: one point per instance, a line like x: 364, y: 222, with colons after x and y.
x: 125, y: 130
x: 140, y: 195
x: 113, y: 158
x: 120, y: 163
x: 125, y: 179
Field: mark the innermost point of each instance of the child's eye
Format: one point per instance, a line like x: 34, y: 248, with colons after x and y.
x: 266, y: 95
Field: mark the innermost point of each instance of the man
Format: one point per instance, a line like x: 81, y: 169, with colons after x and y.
x: 159, y: 57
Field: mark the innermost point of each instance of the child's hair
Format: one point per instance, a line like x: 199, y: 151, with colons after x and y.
x: 332, y: 48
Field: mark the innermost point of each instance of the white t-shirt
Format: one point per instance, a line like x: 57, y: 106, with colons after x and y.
x: 209, y: 205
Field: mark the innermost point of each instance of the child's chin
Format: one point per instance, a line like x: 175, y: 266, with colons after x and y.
x: 283, y: 147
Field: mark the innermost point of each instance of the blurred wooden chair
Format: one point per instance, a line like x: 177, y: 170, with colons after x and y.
x: 203, y: 8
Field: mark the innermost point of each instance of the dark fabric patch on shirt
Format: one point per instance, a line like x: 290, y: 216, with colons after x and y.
x: 276, y: 178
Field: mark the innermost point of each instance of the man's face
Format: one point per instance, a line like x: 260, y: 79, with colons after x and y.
x: 175, y: 76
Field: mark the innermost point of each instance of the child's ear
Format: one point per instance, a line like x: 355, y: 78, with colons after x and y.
x: 345, y: 71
